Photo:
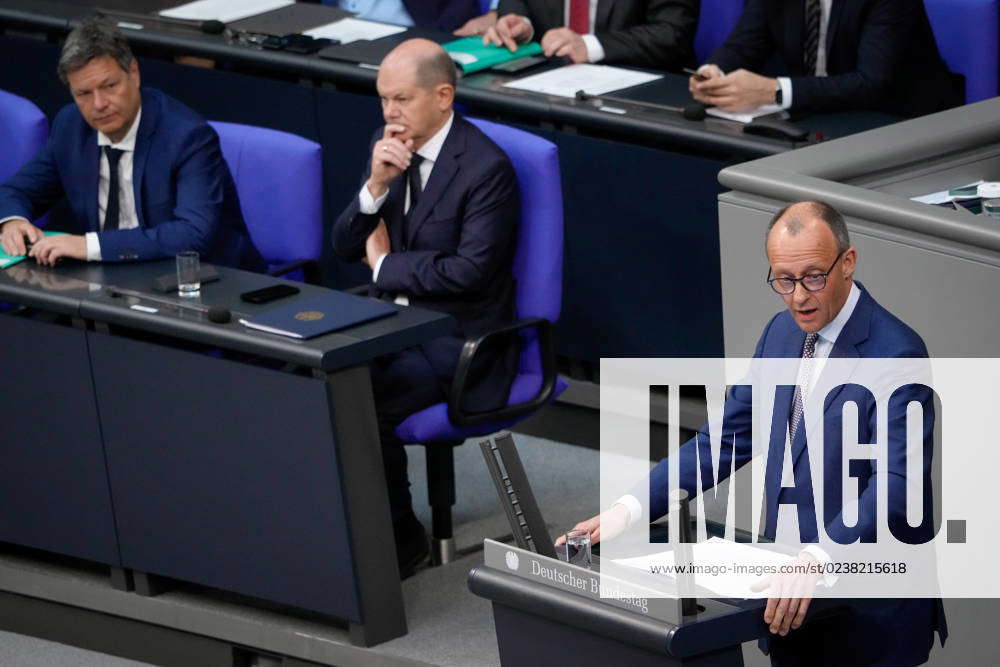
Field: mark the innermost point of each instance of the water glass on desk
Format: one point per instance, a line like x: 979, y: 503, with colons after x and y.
x: 188, y: 268
x: 578, y: 548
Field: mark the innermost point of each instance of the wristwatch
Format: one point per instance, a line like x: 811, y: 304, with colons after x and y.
x: 777, y: 94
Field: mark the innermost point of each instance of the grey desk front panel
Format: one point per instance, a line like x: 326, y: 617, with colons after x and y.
x: 225, y: 474
x: 53, y: 481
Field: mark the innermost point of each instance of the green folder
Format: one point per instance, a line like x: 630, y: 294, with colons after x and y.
x: 10, y: 260
x: 472, y: 55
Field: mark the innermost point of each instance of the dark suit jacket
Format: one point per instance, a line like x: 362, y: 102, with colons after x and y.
x: 184, y: 194
x: 457, y: 253
x: 443, y: 15
x: 901, y: 629
x: 646, y: 33
x: 881, y: 55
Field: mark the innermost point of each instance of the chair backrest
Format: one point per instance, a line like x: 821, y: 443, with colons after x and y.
x: 23, y: 130
x: 715, y: 22
x: 279, y: 180
x: 968, y: 34
x: 539, y: 256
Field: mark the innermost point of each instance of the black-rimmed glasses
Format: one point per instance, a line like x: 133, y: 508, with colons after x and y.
x: 812, y: 282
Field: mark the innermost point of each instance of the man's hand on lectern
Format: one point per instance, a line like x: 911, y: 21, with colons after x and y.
x: 790, y: 594
x: 607, y: 525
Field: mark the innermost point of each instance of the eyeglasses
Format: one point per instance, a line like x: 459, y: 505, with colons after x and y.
x: 812, y: 282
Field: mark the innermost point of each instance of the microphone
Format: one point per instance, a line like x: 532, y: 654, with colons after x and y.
x: 211, y: 27
x: 215, y: 314
x: 694, y: 111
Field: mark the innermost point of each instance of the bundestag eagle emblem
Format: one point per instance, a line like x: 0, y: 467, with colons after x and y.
x: 309, y: 315
x: 512, y: 560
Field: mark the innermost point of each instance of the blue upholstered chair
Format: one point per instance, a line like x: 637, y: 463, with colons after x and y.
x: 23, y: 130
x: 538, y: 270
x: 968, y: 35
x: 715, y: 22
x: 279, y: 180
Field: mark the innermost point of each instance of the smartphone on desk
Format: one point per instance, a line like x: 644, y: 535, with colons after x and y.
x: 269, y: 294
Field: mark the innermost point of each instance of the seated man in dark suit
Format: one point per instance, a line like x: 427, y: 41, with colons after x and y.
x: 834, y: 55
x: 646, y: 33
x: 436, y: 219
x: 142, y: 174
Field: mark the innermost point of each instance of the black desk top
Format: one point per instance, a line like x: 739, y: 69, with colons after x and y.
x: 80, y: 290
x: 483, y: 89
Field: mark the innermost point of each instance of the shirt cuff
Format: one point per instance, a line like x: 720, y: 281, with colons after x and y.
x: 368, y: 205
x: 631, y: 504
x: 11, y: 217
x: 378, y: 266
x: 786, y: 91
x: 595, y: 52
x: 494, y: 4
x: 828, y: 578
x: 93, y: 247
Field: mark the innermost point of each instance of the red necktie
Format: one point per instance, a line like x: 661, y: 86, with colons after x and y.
x: 579, y: 16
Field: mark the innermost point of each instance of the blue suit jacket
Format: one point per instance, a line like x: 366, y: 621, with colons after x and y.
x: 456, y: 254
x: 870, y: 332
x: 184, y: 194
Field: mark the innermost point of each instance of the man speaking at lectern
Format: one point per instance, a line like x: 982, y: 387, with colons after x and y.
x: 436, y: 219
x: 828, y: 315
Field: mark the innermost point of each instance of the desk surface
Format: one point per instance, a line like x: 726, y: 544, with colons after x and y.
x: 80, y: 290
x: 483, y: 89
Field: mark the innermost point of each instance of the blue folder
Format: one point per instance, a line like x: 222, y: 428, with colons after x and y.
x: 315, y: 316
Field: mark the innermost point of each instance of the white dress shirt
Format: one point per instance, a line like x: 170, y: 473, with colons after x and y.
x: 128, y: 218
x: 595, y: 51
x: 370, y: 206
x: 827, y: 338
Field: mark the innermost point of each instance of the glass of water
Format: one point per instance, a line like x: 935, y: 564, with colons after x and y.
x: 578, y: 548
x: 188, y: 268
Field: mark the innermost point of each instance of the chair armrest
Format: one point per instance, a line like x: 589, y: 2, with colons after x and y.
x: 545, y: 347
x: 310, y: 269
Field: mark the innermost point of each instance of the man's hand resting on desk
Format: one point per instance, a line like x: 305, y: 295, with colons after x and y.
x: 564, y: 42
x: 737, y: 91
x: 478, y: 25
x: 14, y: 232
x: 49, y: 249
x: 790, y: 594
x: 510, y: 30
x: 608, y: 525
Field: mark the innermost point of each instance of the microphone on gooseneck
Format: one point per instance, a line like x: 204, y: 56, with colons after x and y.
x: 695, y: 111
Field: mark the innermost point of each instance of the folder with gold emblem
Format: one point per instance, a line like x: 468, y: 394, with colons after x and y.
x: 315, y: 316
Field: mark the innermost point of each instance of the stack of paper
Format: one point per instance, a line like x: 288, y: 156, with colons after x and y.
x: 592, y: 79
x: 351, y: 30
x: 223, y: 10
x: 743, y: 116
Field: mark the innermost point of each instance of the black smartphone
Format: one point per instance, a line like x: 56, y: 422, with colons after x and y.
x: 268, y: 294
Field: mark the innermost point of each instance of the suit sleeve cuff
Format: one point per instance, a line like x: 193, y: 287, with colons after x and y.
x: 93, y: 247
x: 786, y: 91
x: 378, y: 266
x: 595, y: 52
x: 828, y: 578
x: 369, y: 205
x: 631, y: 503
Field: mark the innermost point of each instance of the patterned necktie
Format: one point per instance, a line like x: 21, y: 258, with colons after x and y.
x: 812, y: 36
x: 579, y: 16
x: 111, y: 214
x: 805, y: 373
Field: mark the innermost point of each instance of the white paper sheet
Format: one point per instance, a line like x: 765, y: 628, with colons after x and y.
x: 223, y: 10
x: 743, y: 116
x: 592, y: 79
x: 719, y: 552
x: 351, y: 30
